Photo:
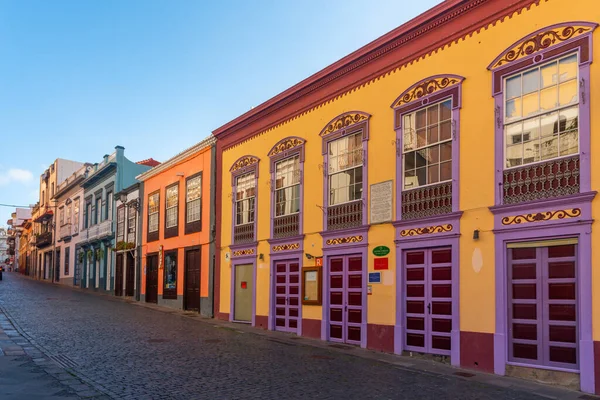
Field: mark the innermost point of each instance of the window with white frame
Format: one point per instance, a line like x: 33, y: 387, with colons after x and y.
x: 62, y: 217
x: 542, y: 112
x: 172, y: 195
x: 287, y: 186
x: 76, y: 216
x: 427, y: 145
x: 345, y: 169
x: 121, y: 224
x: 131, y: 221
x: 68, y: 216
x: 153, y: 204
x: 193, y: 199
x: 109, y: 205
x: 245, y: 199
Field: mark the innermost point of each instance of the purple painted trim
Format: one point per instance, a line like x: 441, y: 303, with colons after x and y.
x: 423, y: 242
x: 399, y: 112
x: 535, y: 231
x: 560, y: 25
x: 234, y: 175
x: 584, y: 102
x: 357, y: 249
x: 574, y: 199
x: 364, y: 126
x: 234, y: 263
x: 291, y: 256
x: 299, y: 150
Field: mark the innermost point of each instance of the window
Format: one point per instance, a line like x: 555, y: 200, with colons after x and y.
x: 427, y: 145
x: 172, y: 195
x: 153, y: 214
x: 193, y: 199
x: 170, y: 275
x: 245, y: 199
x: 62, y: 217
x: 76, y: 216
x: 67, y: 256
x: 131, y: 217
x: 88, y: 215
x: 121, y: 224
x: 98, y: 210
x: 109, y: 206
x: 287, y: 186
x: 68, y: 211
x: 345, y: 169
x: 542, y: 112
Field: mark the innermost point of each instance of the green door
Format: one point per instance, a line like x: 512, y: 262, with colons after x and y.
x: 244, y: 286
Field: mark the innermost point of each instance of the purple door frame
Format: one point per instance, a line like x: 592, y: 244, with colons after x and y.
x: 273, y: 298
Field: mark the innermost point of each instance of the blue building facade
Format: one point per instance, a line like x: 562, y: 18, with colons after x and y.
x: 102, y: 181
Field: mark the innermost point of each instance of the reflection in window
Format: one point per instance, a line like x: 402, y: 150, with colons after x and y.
x: 542, y: 113
x: 170, y: 277
x: 153, y: 202
x: 193, y: 199
x: 345, y: 169
x: 244, y: 199
x: 287, y: 186
x: 172, y: 202
x: 427, y: 145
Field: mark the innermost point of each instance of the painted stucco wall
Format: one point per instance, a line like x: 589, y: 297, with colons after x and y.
x: 468, y: 58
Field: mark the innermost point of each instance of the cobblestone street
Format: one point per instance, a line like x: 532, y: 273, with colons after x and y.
x: 127, y: 351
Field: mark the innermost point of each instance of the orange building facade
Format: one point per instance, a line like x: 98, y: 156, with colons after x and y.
x: 178, y: 230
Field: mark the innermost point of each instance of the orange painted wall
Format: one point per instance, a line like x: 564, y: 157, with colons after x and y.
x: 198, y: 162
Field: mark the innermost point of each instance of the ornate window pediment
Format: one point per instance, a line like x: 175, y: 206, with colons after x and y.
x: 243, y: 162
x: 286, y: 144
x: 344, y: 121
x: 426, y: 87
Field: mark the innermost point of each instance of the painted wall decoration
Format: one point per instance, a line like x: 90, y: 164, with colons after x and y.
x: 428, y: 230
x: 541, y: 216
x: 344, y: 240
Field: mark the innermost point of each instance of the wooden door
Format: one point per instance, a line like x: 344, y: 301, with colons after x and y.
x: 542, y: 315
x: 119, y: 275
x: 428, y: 300
x: 287, y: 296
x: 244, y: 287
x: 192, y: 280
x: 130, y: 274
x: 152, y: 279
x: 346, y: 306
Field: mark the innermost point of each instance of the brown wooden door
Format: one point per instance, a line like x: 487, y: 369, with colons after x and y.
x: 130, y: 275
x: 192, y: 280
x: 119, y: 276
x: 152, y: 279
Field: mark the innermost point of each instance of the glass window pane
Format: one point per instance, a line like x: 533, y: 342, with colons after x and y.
x: 409, y: 161
x: 446, y: 151
x: 446, y: 110
x: 433, y: 173
x: 569, y: 143
x: 567, y: 67
x: 434, y: 154
x: 531, y: 104
x: 531, y: 81
x: 409, y: 140
x: 421, y: 119
x: 421, y: 137
x: 432, y: 134
x: 568, y: 93
x: 410, y: 181
x: 170, y: 269
x: 513, y: 87
x: 514, y: 133
x: 513, y: 109
x: 358, y: 175
x: 514, y: 155
x: 408, y: 121
x: 531, y: 151
x: 570, y: 118
x: 445, y: 171
x: 445, y: 130
x: 432, y: 115
x: 549, y: 147
x: 549, y: 98
x: 421, y: 176
x: 549, y: 75
x: 421, y: 158
x: 531, y: 129
x: 549, y: 124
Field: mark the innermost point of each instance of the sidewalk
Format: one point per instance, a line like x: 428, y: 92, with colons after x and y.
x: 28, y: 374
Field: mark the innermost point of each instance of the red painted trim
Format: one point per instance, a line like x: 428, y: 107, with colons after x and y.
x: 222, y: 316
x: 449, y: 21
x: 311, y: 328
x: 477, y: 351
x: 380, y: 337
x: 261, y: 321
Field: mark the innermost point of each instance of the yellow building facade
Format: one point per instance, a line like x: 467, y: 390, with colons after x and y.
x: 433, y: 192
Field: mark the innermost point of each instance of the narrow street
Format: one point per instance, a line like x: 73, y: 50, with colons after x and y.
x: 133, y: 352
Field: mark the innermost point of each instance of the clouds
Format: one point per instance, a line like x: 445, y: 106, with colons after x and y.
x: 15, y: 175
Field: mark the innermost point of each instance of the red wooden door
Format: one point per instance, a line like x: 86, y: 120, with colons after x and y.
x: 130, y: 275
x: 542, y: 310
x: 119, y: 275
x: 287, y: 296
x: 192, y: 280
x: 428, y: 304
x: 346, y: 305
x: 152, y: 279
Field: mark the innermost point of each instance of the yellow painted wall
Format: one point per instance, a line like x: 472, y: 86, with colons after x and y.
x: 468, y: 58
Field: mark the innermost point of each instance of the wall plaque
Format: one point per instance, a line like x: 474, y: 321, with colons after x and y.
x: 381, y: 202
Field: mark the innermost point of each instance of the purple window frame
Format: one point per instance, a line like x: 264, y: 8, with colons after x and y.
x: 337, y: 134
x: 582, y: 46
x: 274, y: 159
x: 251, y: 168
x: 454, y: 93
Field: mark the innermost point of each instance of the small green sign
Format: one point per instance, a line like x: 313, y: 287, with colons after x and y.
x: 381, y: 251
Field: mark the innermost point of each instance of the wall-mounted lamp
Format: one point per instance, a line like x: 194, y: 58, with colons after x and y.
x: 476, y: 234
x: 261, y: 256
x: 309, y: 256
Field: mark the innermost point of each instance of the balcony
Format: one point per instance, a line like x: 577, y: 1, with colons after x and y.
x: 344, y: 216
x: 243, y: 233
x: 43, y: 239
x: 427, y: 201
x: 105, y: 229
x: 65, y: 231
x: 286, y: 226
x: 98, y: 231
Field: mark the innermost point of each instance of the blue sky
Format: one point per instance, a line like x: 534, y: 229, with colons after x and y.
x: 156, y: 76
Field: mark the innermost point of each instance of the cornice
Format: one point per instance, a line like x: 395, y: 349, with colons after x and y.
x: 443, y: 24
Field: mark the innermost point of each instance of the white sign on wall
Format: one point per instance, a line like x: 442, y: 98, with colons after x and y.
x: 381, y: 202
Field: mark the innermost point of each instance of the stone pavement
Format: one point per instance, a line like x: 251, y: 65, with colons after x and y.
x: 133, y: 351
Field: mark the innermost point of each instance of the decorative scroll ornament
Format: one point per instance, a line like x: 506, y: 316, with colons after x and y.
x: 344, y: 240
x: 425, y: 88
x: 428, y: 230
x: 285, y: 247
x: 539, y: 41
x: 541, y: 216
x: 245, y: 252
x: 243, y: 162
x: 285, y: 145
x: 344, y: 121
